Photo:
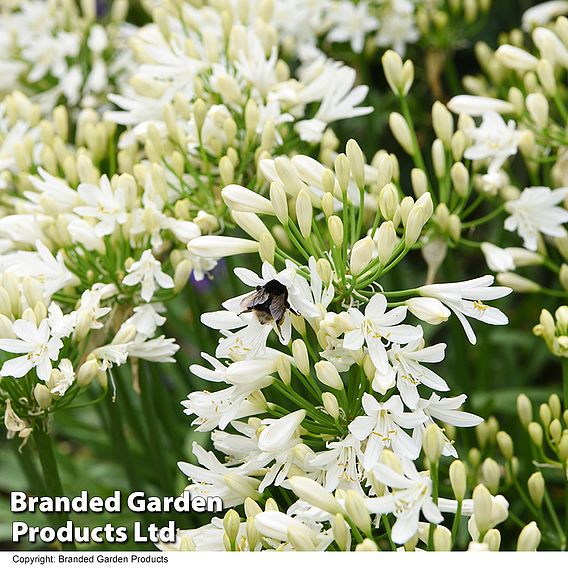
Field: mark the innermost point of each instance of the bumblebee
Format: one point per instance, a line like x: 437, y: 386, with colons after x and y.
x: 268, y: 302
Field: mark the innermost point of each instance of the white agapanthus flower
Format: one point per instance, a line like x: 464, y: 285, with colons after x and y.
x: 537, y: 211
x: 148, y: 272
x: 377, y: 329
x: 466, y: 299
x: 383, y: 428
x: 350, y: 23
x: 407, y: 362
x: 411, y: 493
x: 494, y: 140
x: 37, y: 346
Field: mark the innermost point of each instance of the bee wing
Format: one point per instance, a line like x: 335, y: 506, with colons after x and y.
x: 278, y: 307
x: 254, y: 299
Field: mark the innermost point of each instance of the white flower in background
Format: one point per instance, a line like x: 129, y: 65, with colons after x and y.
x: 378, y: 328
x: 494, y: 140
x: 537, y: 211
x: 148, y: 272
x: 542, y: 14
x: 466, y: 299
x: 41, y: 264
x: 411, y: 494
x: 333, y: 86
x: 159, y: 349
x: 491, y: 183
x: 397, y: 26
x: 39, y: 346
x: 382, y: 428
x: 64, y: 379
x: 498, y: 259
x: 103, y: 204
x: 350, y: 23
x: 89, y: 311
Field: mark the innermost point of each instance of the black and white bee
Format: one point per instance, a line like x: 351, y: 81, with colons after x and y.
x: 268, y: 302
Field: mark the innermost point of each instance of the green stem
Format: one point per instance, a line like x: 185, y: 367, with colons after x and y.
x: 565, y: 381
x: 456, y: 523
x: 434, y: 473
x: 388, y: 531
x: 52, y: 481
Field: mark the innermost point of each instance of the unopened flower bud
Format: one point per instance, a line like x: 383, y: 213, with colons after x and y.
x: 279, y: 201
x: 335, y: 226
x: 517, y: 283
x: 505, y: 443
x: 356, y: 162
x: 433, y: 443
x: 535, y: 433
x: 42, y: 395
x: 524, y: 409
x: 493, y: 539
x: 491, y: 473
x: 324, y: 270
x: 401, y: 131
x: 231, y: 525
x: 87, y: 372
x: 330, y: 404
x: 419, y: 181
x: 387, y: 240
x: 529, y: 539
x: 357, y: 511
x: 328, y: 375
x: 536, y: 488
x: 284, y: 369
x: 361, y: 255
x: 300, y: 354
x: 399, y: 76
x: 460, y: 178
x: 341, y: 534
x: 314, y: 494
x: 537, y: 105
x: 482, y: 508
x: 442, y: 539
x: 443, y: 122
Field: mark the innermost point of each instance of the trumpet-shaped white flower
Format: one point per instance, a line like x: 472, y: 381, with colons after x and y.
x: 466, y: 299
x: 148, y: 272
x: 378, y: 328
x: 406, y: 362
x: 411, y: 494
x: 65, y: 378
x: 398, y: 26
x: 208, y: 479
x: 494, y: 140
x: 350, y: 23
x: 103, y: 204
x: 497, y: 258
x: 341, y: 464
x: 543, y: 13
x: 536, y: 211
x: 382, y: 428
x: 39, y: 346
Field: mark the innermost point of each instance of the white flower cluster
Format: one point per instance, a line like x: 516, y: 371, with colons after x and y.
x: 57, y: 53
x: 337, y: 414
x: 212, y: 93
